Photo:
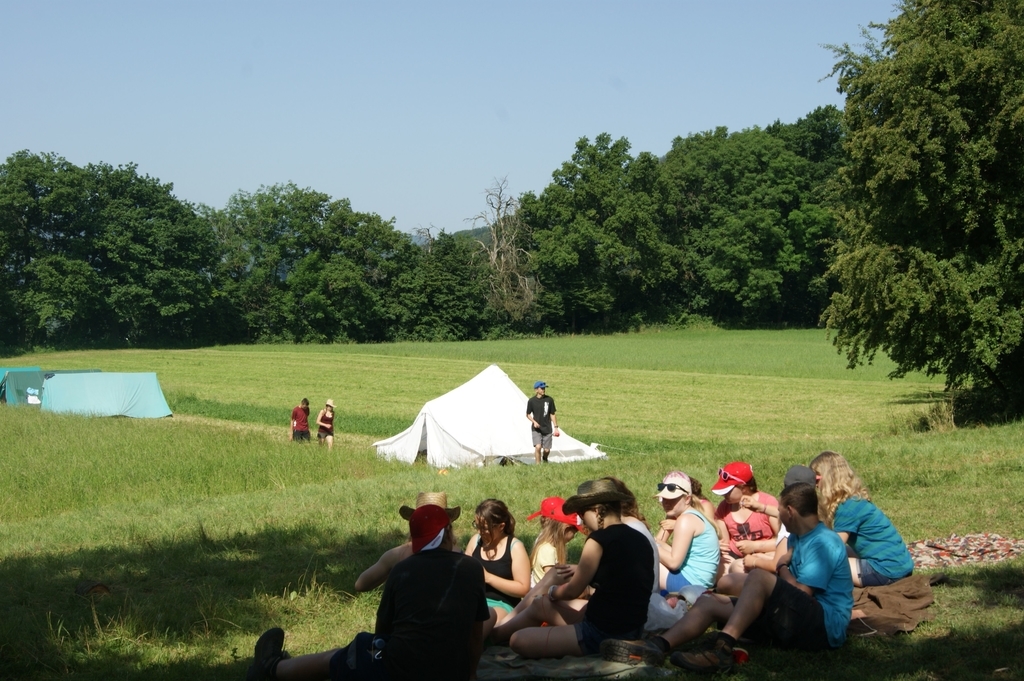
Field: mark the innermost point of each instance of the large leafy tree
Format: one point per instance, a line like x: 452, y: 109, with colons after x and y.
x: 154, y: 256
x: 45, y: 213
x: 931, y: 255
x: 300, y: 266
x: 601, y: 256
x: 98, y: 254
x: 745, y: 207
x: 445, y: 297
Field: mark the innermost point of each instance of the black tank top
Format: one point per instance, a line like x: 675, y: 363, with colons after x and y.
x: 501, y: 567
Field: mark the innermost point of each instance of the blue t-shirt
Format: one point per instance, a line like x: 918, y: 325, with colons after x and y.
x: 819, y: 561
x: 873, y: 537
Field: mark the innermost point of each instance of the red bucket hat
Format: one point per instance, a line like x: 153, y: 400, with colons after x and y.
x: 552, y: 508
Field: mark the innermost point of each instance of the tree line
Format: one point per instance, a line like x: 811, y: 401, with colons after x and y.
x: 730, y: 227
x: 898, y: 223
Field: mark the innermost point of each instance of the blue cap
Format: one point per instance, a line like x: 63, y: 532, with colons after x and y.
x: 540, y: 384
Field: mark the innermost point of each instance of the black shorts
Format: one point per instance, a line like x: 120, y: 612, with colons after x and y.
x: 357, y: 662
x: 300, y: 436
x: 322, y: 435
x: 790, y: 619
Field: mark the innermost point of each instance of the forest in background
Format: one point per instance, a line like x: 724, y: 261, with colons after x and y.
x: 730, y: 228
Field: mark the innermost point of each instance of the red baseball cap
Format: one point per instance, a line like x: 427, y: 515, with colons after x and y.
x: 730, y: 475
x: 552, y: 508
x: 426, y: 524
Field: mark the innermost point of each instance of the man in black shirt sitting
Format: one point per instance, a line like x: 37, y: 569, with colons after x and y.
x: 429, y: 623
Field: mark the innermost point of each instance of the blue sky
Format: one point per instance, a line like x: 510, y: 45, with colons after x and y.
x: 410, y: 110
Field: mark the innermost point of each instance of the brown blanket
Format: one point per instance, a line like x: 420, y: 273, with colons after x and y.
x: 895, y: 608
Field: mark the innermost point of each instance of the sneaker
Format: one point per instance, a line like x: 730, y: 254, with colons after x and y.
x: 632, y: 652
x: 718, y: 658
x: 267, y: 654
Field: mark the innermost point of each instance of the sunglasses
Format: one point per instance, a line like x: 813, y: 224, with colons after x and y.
x: 726, y: 477
x: 671, y: 487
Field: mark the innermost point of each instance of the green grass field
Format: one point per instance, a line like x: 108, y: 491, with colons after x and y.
x: 210, y: 527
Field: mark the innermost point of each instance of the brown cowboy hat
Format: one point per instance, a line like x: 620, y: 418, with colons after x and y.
x: 434, y: 499
x: 591, y: 493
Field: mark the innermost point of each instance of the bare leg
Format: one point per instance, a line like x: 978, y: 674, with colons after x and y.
x: 758, y: 587
x: 330, y: 442
x: 541, y: 588
x: 539, y: 642
x: 313, y: 667
x: 536, y: 454
x: 491, y: 621
x: 708, y: 608
x: 731, y: 585
x: 539, y: 611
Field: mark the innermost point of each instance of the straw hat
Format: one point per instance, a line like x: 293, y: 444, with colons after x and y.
x: 431, y: 499
x: 591, y: 493
x: 330, y: 403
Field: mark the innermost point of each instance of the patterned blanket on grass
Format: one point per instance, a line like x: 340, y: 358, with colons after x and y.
x: 499, y: 663
x: 931, y: 554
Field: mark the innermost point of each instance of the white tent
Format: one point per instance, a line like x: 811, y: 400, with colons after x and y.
x: 481, y: 422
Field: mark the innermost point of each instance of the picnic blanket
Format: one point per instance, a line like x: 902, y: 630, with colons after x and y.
x: 895, y: 608
x: 499, y: 663
x: 931, y: 554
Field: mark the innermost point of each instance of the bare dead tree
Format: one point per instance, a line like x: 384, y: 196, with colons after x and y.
x: 512, y: 290
x: 424, y: 237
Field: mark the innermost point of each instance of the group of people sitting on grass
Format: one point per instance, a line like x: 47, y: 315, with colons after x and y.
x: 766, y: 569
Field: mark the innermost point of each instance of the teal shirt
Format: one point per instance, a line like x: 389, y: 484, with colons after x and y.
x: 873, y: 537
x: 701, y: 562
x: 819, y: 561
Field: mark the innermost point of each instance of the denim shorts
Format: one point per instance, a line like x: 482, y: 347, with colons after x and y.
x: 589, y: 637
x: 868, y: 576
x: 675, y: 581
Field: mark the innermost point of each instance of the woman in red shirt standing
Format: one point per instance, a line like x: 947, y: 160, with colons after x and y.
x: 325, y: 423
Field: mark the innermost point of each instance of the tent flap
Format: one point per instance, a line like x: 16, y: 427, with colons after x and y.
x: 483, y: 421
x: 22, y: 386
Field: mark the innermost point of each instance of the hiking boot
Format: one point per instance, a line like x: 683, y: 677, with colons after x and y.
x: 717, y: 658
x: 267, y: 654
x: 632, y: 652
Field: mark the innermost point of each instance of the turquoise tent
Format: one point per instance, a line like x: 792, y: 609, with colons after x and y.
x: 50, y: 373
x: 106, y: 394
x: 4, y: 370
x: 22, y: 386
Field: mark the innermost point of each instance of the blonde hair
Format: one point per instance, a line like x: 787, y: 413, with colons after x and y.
x: 551, y: 532
x: 836, y: 483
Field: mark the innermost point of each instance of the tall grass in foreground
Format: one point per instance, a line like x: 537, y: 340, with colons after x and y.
x: 210, y: 527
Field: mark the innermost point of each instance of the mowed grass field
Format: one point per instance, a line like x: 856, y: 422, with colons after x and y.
x: 210, y: 527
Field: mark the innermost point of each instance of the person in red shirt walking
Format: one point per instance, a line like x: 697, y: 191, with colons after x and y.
x: 300, y: 422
